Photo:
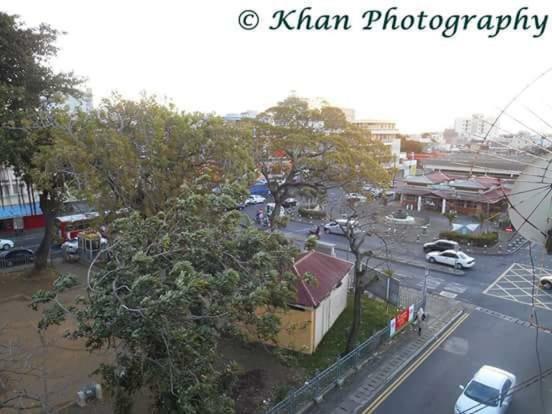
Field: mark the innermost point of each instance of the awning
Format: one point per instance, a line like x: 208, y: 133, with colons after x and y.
x: 19, y: 210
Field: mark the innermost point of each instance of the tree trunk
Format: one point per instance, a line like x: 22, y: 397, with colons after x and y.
x: 49, y: 208
x: 357, y: 312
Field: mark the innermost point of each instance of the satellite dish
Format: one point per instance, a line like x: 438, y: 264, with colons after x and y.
x: 530, y: 203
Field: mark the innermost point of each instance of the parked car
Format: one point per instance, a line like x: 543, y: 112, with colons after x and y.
x: 441, y: 245
x: 336, y: 226
x: 459, y: 260
x: 375, y: 191
x: 545, y: 282
x: 254, y: 199
x: 489, y: 390
x: 6, y: 244
x: 356, y: 197
x: 289, y: 202
x: 72, y: 246
x: 16, y: 257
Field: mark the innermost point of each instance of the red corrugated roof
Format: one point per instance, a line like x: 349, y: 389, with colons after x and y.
x: 328, y: 272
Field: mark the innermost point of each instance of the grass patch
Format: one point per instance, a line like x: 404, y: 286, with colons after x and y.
x: 375, y: 315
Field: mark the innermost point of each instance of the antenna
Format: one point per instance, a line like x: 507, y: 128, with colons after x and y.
x: 530, y: 203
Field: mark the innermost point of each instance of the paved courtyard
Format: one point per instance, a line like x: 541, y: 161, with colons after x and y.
x: 516, y: 284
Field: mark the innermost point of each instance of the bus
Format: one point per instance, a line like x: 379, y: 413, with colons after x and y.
x: 68, y: 227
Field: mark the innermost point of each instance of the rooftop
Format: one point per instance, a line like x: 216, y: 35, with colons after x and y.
x: 328, y: 272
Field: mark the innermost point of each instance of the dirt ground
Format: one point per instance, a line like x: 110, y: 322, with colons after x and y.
x: 262, y: 374
x: 67, y: 366
x: 56, y: 368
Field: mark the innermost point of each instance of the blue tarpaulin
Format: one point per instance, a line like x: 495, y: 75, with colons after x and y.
x: 19, y: 210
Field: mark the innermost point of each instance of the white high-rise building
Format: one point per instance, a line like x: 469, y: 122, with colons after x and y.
x: 477, y: 127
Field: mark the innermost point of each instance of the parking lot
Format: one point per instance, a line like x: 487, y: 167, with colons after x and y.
x: 516, y: 284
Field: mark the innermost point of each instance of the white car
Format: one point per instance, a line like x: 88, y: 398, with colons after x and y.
x: 6, y: 244
x: 72, y: 246
x: 488, y: 392
x: 254, y: 199
x: 459, y: 260
x: 545, y: 282
x: 356, y: 197
x: 337, y: 226
x: 375, y: 191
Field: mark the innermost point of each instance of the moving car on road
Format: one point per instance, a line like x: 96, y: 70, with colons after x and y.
x: 6, y: 244
x: 545, y: 282
x: 254, y: 199
x: 488, y: 392
x: 337, y: 226
x: 459, y: 260
x: 441, y: 245
x: 16, y: 257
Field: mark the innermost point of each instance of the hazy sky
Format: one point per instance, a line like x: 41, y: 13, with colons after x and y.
x: 195, y: 53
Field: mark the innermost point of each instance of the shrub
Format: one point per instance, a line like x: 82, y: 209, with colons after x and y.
x: 311, y: 213
x: 475, y: 239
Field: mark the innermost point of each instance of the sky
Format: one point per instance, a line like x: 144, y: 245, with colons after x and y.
x: 195, y: 54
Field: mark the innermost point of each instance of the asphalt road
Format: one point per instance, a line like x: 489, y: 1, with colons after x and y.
x: 480, y: 340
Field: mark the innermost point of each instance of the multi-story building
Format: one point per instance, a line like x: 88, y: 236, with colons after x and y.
x: 385, y: 132
x: 238, y: 117
x: 477, y: 127
x: 382, y: 130
x: 84, y: 103
x: 19, y: 208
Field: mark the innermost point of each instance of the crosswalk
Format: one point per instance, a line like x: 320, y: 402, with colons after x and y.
x: 439, y: 285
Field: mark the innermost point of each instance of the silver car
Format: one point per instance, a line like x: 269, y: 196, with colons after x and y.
x: 488, y: 392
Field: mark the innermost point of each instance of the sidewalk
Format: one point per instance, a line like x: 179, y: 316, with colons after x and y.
x: 360, y: 389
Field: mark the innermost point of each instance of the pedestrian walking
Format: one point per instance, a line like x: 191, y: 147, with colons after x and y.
x: 420, y: 317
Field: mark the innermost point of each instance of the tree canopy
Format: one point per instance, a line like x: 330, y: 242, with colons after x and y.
x: 137, y: 155
x: 314, y: 148
x: 28, y: 89
x: 175, y: 282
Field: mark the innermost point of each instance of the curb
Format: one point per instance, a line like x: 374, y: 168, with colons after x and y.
x: 410, y: 262
x: 414, y: 263
x: 406, y: 363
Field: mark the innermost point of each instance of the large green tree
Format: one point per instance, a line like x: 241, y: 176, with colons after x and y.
x: 29, y: 89
x: 175, y: 282
x: 316, y: 149
x: 137, y: 154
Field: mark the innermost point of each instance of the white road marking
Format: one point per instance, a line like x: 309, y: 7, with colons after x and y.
x: 448, y: 294
x: 499, y: 277
x: 455, y: 287
x: 517, y: 284
x: 432, y: 282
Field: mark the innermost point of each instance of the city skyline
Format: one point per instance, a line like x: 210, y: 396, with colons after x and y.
x: 203, y: 61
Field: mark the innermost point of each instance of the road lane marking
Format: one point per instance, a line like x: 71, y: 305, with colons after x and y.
x: 499, y: 277
x: 449, y: 295
x: 455, y: 287
x: 411, y: 368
